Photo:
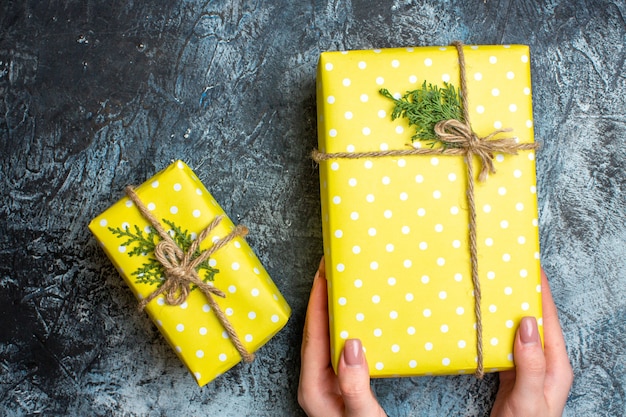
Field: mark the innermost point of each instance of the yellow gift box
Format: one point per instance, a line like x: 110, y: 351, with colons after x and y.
x: 395, y: 228
x: 252, y: 303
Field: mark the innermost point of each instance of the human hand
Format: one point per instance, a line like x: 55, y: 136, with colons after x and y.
x: 321, y: 392
x: 542, y: 378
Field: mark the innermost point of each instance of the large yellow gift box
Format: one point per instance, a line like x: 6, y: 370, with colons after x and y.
x: 395, y: 227
x: 251, y: 302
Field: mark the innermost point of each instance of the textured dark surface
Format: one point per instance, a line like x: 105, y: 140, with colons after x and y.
x: 96, y: 95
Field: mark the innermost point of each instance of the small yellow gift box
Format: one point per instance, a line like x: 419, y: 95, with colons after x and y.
x: 250, y: 302
x: 395, y: 227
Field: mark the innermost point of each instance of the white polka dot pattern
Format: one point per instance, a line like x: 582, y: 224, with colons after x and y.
x: 253, y: 303
x: 407, y: 217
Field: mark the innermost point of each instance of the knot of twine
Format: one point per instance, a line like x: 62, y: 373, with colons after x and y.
x: 465, y: 142
x: 181, y: 269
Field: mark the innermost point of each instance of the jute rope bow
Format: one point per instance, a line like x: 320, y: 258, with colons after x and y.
x: 181, y: 269
x: 465, y: 142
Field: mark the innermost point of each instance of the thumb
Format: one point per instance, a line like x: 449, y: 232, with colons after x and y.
x: 530, y: 362
x: 354, y: 381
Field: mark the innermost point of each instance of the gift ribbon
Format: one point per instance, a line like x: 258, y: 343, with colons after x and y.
x: 467, y: 144
x: 181, y: 269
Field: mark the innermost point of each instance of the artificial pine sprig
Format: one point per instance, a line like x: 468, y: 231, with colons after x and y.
x: 152, y: 272
x: 425, y: 107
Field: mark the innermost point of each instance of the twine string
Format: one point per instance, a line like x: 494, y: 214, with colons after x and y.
x: 181, y: 269
x: 464, y: 142
x: 487, y: 164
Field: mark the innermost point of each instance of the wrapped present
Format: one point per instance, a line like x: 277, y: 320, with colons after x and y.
x: 192, y: 271
x: 431, y: 241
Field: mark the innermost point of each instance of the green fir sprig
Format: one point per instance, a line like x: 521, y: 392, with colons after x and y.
x: 425, y: 107
x: 144, y: 243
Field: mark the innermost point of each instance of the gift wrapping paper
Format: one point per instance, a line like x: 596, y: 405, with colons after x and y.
x: 395, y: 229
x: 253, y: 303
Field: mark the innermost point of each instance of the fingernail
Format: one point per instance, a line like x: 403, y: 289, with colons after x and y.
x: 321, y: 269
x: 353, y: 352
x: 528, y: 332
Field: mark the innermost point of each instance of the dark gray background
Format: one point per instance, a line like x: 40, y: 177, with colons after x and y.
x: 99, y: 94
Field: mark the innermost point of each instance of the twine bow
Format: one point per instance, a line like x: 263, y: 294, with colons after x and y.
x: 462, y: 136
x: 181, y: 269
x: 464, y: 142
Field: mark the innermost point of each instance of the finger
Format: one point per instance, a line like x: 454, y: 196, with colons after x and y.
x: 354, y: 381
x: 315, y: 355
x: 559, y: 375
x: 507, y: 379
x: 530, y: 363
x: 315, y: 351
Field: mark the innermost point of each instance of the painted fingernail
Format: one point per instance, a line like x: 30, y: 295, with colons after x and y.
x: 528, y: 331
x: 321, y: 269
x: 353, y: 352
